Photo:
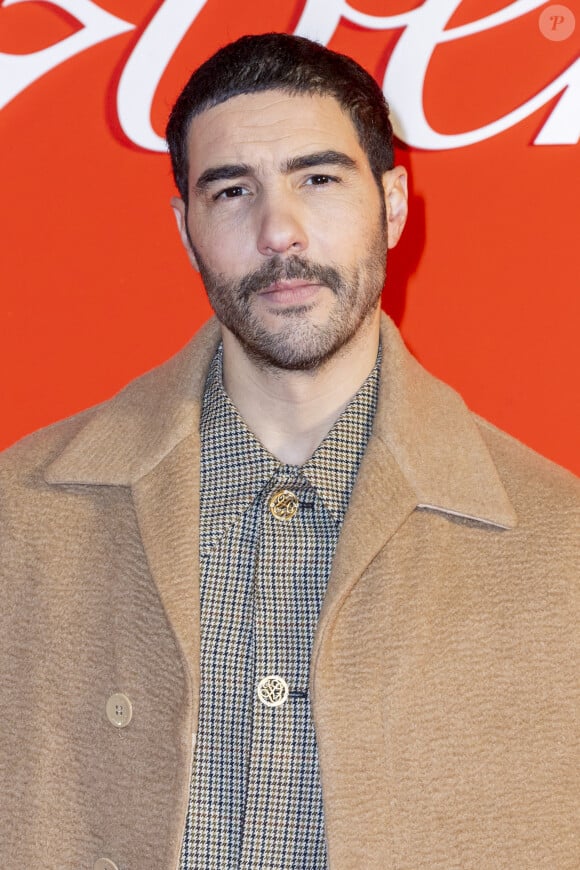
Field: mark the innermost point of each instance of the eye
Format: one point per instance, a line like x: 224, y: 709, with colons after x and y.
x: 231, y: 192
x: 320, y: 179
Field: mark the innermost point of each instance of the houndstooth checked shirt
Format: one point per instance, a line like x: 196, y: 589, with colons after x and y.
x: 255, y: 800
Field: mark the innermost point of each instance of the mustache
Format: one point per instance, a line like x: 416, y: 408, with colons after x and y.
x: 292, y: 268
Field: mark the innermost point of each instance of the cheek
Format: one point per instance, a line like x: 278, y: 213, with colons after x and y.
x: 344, y: 243
x: 345, y: 225
x: 224, y: 246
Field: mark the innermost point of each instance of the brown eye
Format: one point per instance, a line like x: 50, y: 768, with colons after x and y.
x: 231, y: 192
x: 320, y: 180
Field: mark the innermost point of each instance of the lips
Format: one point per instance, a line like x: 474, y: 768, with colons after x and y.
x: 289, y: 291
x: 278, y: 279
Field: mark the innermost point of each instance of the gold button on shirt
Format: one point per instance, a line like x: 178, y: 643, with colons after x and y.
x: 268, y: 533
x: 284, y: 504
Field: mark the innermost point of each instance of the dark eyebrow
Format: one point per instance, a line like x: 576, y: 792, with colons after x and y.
x: 227, y: 172
x: 231, y: 171
x: 319, y: 158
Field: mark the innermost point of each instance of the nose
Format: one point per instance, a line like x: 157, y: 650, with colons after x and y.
x: 281, y: 228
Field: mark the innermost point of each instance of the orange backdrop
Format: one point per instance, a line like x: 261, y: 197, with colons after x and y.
x: 95, y: 287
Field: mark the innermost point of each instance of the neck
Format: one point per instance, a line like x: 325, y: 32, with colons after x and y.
x: 290, y: 412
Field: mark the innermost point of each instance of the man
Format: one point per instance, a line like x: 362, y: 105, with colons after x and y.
x: 284, y: 602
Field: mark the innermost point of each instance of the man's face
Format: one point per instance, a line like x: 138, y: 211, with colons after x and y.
x: 286, y: 225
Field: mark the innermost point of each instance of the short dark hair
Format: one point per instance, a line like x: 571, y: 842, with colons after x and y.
x: 281, y: 61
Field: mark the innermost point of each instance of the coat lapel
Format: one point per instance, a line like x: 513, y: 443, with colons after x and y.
x: 167, y: 506
x: 380, y: 503
x: 147, y: 438
x: 425, y: 451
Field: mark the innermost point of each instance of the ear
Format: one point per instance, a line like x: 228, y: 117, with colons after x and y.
x: 180, y: 212
x: 396, y: 201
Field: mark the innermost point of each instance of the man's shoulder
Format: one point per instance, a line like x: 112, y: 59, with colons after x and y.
x: 533, y: 483
x: 456, y: 462
x: 134, y: 405
x: 40, y: 447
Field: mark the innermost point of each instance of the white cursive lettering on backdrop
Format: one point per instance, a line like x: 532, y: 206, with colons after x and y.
x: 18, y: 71
x: 405, y: 76
x: 145, y: 67
x: 423, y: 29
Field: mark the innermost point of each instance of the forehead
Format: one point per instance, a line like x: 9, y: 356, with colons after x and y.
x: 270, y: 126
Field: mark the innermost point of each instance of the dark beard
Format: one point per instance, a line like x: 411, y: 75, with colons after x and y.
x: 301, y: 345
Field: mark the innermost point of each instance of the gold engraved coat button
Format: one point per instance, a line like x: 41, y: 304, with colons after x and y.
x: 119, y: 710
x: 273, y: 691
x: 283, y: 504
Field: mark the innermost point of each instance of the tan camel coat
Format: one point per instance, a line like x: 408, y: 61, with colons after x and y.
x: 445, y: 669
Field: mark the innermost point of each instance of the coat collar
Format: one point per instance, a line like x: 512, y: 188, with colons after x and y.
x: 421, y: 422
x: 436, y: 441
x: 128, y: 436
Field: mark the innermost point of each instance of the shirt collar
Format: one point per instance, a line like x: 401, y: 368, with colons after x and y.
x: 237, y: 467
x: 333, y: 467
